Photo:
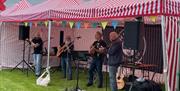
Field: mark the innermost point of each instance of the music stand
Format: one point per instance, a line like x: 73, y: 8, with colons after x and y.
x: 23, y: 61
x: 78, y: 57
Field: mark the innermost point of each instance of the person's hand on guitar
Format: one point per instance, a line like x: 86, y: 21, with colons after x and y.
x: 92, y: 50
x: 99, y: 50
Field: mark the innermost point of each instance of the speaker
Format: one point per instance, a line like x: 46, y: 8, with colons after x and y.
x: 133, y: 31
x: 61, y: 38
x: 23, y: 32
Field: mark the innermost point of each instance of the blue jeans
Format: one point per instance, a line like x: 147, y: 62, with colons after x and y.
x: 37, y: 61
x: 112, y: 76
x: 96, y: 65
x: 66, y: 67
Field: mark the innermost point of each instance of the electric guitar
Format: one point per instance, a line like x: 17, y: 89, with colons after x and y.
x: 120, y: 80
x: 63, y: 48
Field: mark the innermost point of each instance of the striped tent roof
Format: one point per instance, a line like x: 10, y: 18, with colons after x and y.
x: 23, y: 4
x: 95, y: 9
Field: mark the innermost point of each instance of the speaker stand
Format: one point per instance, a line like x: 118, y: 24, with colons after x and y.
x: 23, y: 62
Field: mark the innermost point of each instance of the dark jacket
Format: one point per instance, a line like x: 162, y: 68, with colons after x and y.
x: 115, y: 53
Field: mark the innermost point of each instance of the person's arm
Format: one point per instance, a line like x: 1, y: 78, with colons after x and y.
x: 71, y: 48
x: 92, y: 48
x: 114, y: 48
x: 33, y: 44
x: 41, y: 42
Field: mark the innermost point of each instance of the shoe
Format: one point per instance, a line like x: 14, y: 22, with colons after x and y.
x: 37, y: 76
x: 89, y: 84
x: 69, y: 79
x: 100, y: 86
x: 64, y: 77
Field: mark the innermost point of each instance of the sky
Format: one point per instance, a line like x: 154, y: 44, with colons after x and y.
x: 10, y: 3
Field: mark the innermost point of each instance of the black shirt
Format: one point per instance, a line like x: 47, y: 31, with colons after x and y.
x: 66, y: 53
x: 97, y: 45
x: 38, y: 50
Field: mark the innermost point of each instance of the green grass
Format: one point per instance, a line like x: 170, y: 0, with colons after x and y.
x: 18, y: 81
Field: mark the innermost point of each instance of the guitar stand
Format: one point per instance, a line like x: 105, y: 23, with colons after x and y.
x: 23, y: 62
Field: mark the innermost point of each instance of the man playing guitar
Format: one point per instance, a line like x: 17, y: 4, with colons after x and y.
x: 97, y: 50
x: 37, y: 44
x: 65, y: 53
x: 114, y: 59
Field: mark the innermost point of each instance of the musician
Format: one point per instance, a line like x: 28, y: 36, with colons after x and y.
x: 114, y: 58
x: 66, y: 58
x: 97, y: 50
x: 37, y: 44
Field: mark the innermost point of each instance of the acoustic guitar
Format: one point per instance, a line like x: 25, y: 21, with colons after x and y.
x: 120, y: 80
x: 100, y: 50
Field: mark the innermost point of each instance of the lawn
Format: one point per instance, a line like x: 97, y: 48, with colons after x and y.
x: 18, y: 81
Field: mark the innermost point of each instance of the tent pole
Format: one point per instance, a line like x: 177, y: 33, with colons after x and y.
x: 178, y: 68
x: 49, y: 41
x: 165, y: 64
x: 0, y: 46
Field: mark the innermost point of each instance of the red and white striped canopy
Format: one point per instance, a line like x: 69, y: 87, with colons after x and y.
x: 23, y: 4
x: 95, y: 9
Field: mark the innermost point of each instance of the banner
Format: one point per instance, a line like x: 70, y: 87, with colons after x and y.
x: 86, y: 25
x: 71, y: 24
x: 114, y: 24
x: 35, y: 24
x: 104, y: 24
x: 78, y: 25
x: 153, y: 18
x: 30, y: 24
x: 26, y: 24
x: 63, y: 24
x: 94, y: 25
x: 46, y: 23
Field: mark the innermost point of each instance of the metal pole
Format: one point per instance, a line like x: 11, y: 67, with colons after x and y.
x: 178, y: 68
x: 0, y: 45
x: 165, y: 64
x: 49, y: 41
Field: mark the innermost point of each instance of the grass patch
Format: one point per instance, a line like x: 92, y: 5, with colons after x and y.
x: 18, y: 81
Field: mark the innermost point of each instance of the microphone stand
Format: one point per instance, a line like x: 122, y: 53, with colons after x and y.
x: 106, y: 73
x: 77, y: 88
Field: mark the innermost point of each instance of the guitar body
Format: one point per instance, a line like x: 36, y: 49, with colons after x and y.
x: 59, y: 52
x: 63, y: 48
x: 92, y: 51
x: 120, y: 79
x: 120, y: 82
